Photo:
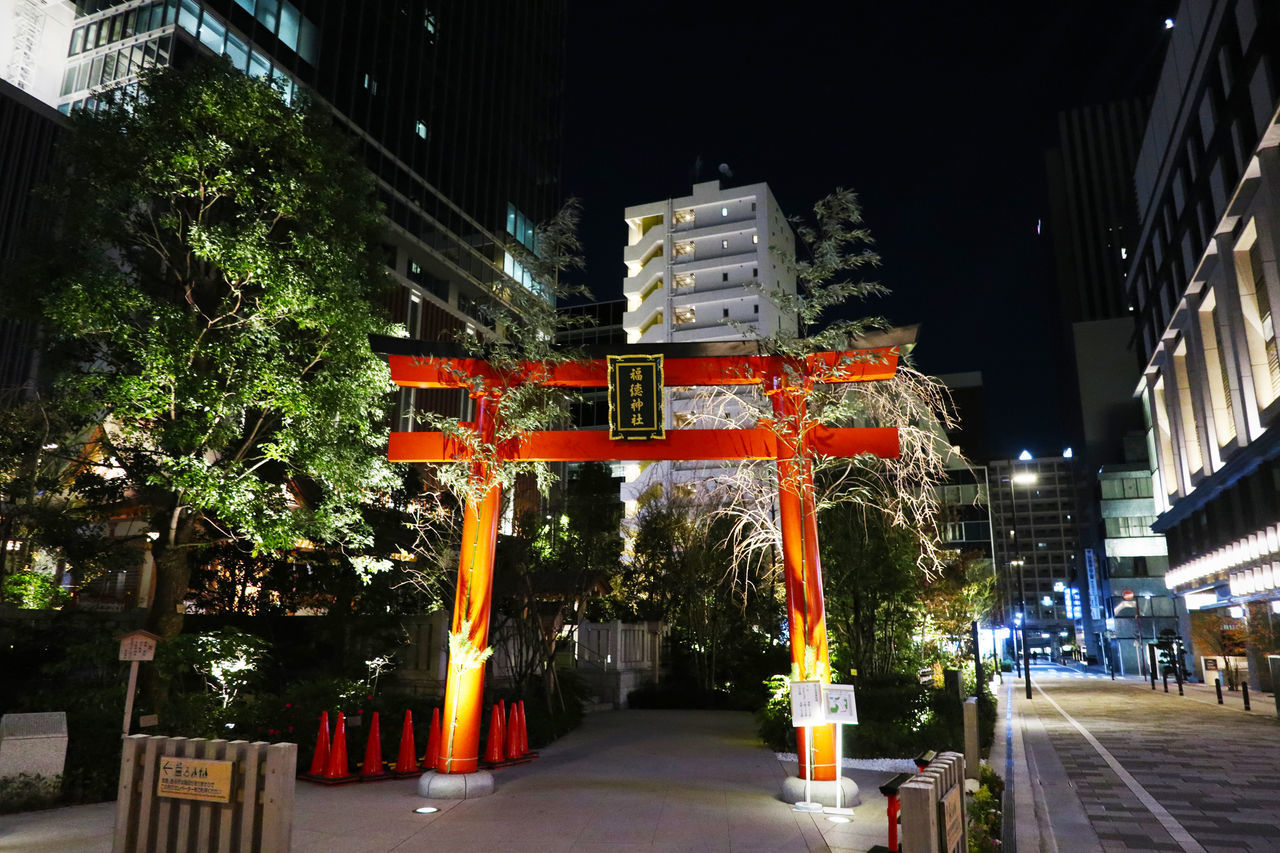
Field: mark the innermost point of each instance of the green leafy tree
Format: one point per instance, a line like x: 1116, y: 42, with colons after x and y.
x: 211, y: 290
x: 551, y: 571
x: 872, y: 590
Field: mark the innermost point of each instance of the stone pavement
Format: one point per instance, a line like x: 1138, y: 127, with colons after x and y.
x: 1114, y: 766
x: 624, y: 781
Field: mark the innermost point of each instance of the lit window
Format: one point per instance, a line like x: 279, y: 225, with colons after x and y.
x: 685, y: 248
x: 724, y: 211
x: 683, y: 216
x: 687, y: 279
x: 724, y: 244
x: 755, y: 238
x: 429, y: 24
x: 421, y: 129
x: 370, y: 83
x: 685, y: 315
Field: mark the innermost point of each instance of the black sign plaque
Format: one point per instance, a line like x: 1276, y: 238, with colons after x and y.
x: 635, y: 397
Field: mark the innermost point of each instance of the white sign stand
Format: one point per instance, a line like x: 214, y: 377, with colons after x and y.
x: 839, y: 708
x: 806, y: 710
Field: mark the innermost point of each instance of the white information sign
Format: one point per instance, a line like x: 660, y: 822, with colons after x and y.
x: 838, y: 704
x: 806, y: 703
x: 138, y: 645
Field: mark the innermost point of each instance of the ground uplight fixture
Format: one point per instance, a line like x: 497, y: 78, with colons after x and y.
x: 426, y: 810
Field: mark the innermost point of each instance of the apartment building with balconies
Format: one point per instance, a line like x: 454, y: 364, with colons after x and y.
x: 703, y: 267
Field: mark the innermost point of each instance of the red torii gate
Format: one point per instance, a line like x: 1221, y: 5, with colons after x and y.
x: 787, y: 440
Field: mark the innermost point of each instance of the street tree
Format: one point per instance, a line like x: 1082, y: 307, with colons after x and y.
x: 210, y: 291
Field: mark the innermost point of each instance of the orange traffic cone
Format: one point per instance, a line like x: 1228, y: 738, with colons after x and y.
x: 493, y: 745
x: 524, y: 732
x: 372, y: 767
x: 338, y: 769
x: 513, y: 733
x: 432, y: 758
x: 406, y: 761
x: 321, y: 759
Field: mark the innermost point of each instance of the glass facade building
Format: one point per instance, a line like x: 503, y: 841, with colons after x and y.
x: 455, y: 106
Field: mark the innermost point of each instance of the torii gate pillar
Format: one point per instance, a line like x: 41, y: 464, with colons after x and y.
x: 802, y: 570
x: 464, y: 684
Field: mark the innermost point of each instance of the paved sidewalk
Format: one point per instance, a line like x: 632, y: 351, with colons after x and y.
x: 625, y: 781
x: 1114, y: 766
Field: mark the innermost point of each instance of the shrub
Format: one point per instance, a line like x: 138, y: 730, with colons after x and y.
x: 774, y: 718
x: 986, y: 812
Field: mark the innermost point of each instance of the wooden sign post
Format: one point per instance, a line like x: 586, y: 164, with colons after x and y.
x: 135, y: 646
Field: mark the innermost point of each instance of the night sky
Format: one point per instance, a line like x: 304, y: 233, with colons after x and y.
x: 937, y: 113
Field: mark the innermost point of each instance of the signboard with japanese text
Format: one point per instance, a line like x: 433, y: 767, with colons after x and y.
x: 635, y: 397
x: 138, y: 645
x: 952, y: 820
x: 194, y: 779
x: 838, y: 703
x: 806, y: 703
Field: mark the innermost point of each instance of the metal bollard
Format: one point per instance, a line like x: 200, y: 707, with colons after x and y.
x: 1217, y: 685
x: 1244, y: 685
x: 1166, y: 682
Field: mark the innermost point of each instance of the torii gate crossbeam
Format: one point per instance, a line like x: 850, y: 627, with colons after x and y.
x: 788, y: 440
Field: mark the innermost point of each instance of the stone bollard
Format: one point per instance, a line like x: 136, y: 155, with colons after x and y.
x: 972, y: 756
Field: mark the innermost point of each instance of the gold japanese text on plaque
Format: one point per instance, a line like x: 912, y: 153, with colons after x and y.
x: 635, y: 396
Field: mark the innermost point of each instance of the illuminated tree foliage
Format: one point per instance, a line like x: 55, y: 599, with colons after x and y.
x: 211, y: 292
x: 835, y: 250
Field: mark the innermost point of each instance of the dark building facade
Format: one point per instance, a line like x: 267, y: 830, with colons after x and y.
x: 28, y: 132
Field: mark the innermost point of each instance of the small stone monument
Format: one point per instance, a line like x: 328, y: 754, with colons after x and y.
x: 35, y: 744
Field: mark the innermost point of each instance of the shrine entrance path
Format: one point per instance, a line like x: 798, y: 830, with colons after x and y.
x: 623, y: 781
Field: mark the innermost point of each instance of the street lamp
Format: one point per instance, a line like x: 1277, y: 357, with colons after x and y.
x: 1022, y: 618
x: 1022, y: 478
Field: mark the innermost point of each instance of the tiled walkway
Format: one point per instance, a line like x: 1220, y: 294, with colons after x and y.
x: 1191, y: 775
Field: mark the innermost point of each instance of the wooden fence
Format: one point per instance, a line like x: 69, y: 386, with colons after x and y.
x: 257, y: 819
x: 933, y: 808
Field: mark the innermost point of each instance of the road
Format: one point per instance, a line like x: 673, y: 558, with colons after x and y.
x: 1115, y: 766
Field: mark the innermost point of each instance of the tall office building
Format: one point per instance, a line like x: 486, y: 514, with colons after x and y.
x: 1093, y: 227
x: 1203, y: 278
x: 700, y: 268
x: 1033, y: 504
